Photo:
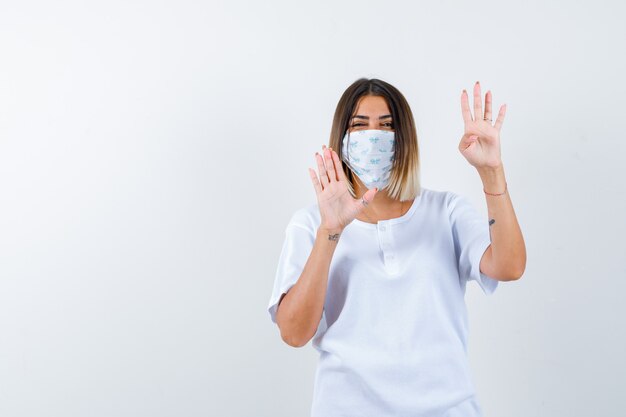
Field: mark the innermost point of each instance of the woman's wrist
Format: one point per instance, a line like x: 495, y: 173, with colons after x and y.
x: 329, y: 233
x: 493, y: 179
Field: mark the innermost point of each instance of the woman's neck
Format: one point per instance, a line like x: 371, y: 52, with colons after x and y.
x: 382, y: 207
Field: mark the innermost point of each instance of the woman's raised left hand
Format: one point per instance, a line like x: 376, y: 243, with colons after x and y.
x: 480, y: 143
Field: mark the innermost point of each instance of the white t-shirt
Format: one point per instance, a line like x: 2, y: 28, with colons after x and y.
x: 393, y: 334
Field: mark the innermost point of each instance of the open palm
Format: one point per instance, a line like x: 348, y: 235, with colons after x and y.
x: 337, y: 206
x: 480, y: 143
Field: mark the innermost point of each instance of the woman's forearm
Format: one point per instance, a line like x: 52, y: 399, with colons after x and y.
x: 300, y: 310
x: 506, y: 257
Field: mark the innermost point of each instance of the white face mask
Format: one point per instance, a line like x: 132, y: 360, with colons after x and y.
x: 369, y: 154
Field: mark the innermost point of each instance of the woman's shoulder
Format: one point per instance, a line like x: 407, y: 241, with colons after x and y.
x: 437, y: 198
x: 451, y: 202
x: 307, y: 217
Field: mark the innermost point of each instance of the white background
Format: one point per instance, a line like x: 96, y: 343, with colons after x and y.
x: 151, y: 154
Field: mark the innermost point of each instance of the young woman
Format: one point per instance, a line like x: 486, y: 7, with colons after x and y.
x: 375, y: 272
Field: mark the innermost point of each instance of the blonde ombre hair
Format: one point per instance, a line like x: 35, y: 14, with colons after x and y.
x: 404, y: 178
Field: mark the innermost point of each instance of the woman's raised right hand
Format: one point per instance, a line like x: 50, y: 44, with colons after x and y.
x: 337, y: 206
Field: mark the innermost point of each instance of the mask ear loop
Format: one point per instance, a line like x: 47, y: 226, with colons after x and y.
x: 347, y: 147
x: 347, y: 155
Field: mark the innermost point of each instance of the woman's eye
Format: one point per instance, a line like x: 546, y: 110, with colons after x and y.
x: 388, y: 124
x: 358, y: 124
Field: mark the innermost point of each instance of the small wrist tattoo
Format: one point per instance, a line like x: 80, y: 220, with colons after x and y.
x: 492, y: 221
x: 334, y: 237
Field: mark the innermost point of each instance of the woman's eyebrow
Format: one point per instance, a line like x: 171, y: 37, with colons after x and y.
x: 359, y: 116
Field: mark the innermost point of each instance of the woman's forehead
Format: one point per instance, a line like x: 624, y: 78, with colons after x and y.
x: 372, y: 105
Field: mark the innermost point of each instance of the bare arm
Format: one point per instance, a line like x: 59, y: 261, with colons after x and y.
x: 506, y: 256
x: 300, y: 309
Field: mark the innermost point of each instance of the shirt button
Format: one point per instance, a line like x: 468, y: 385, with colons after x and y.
x: 382, y: 228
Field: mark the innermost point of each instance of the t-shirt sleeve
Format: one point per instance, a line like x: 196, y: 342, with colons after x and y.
x: 470, y: 231
x: 296, y: 249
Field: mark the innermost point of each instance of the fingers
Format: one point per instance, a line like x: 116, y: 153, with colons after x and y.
x: 500, y: 118
x: 330, y: 166
x: 465, y: 109
x: 322, y: 170
x: 316, y: 183
x: 368, y: 196
x: 341, y: 176
x: 478, y: 105
x: 467, y: 140
x: 327, y: 166
x: 488, y: 100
